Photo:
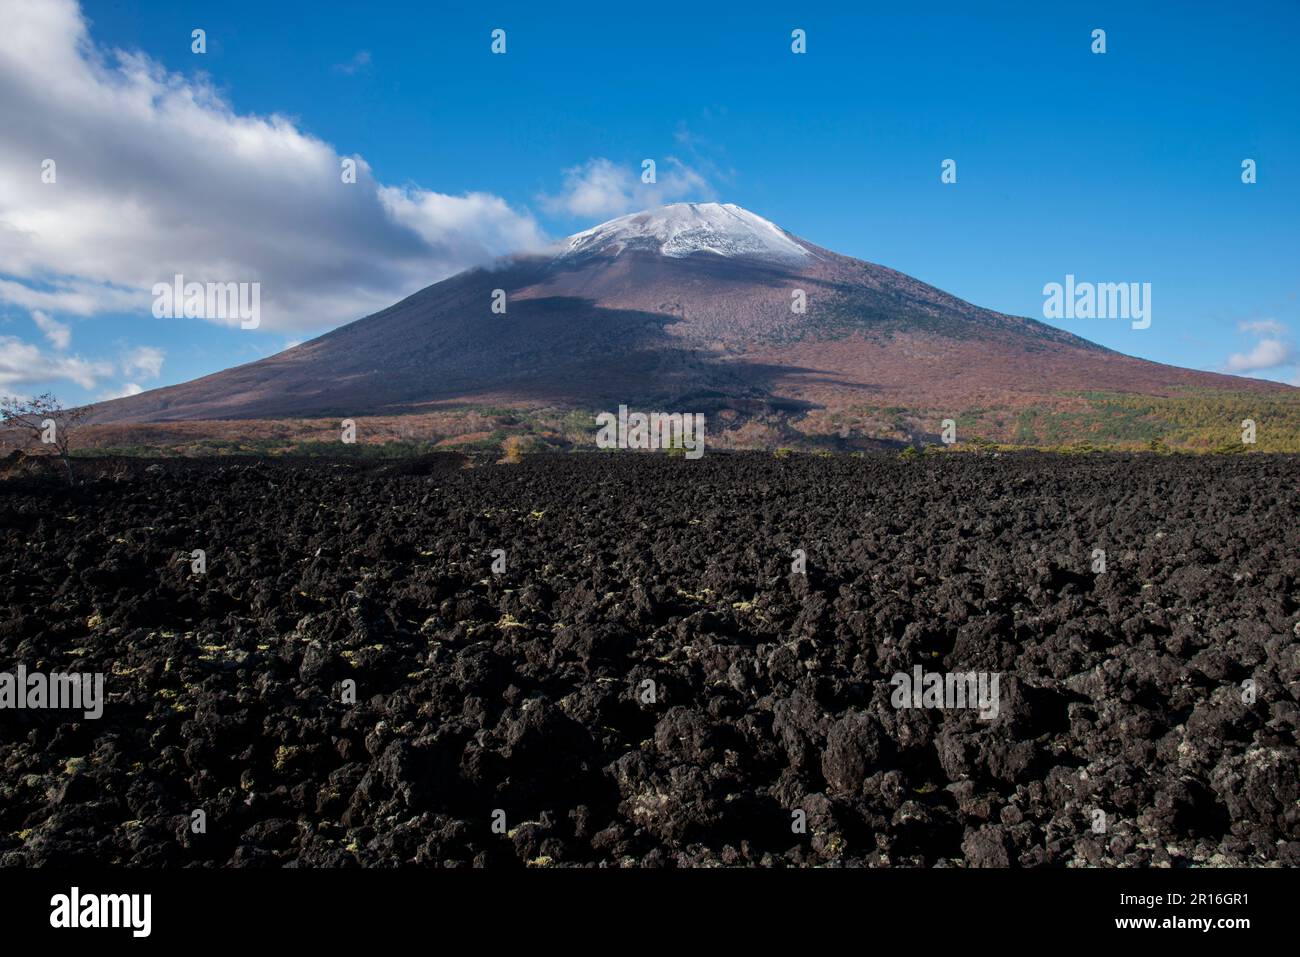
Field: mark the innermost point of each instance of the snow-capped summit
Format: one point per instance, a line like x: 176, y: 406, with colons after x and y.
x: 681, y: 229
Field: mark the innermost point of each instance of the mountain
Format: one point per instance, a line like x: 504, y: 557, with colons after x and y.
x: 685, y: 307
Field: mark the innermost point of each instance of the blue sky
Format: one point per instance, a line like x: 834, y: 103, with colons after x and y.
x: 1118, y: 167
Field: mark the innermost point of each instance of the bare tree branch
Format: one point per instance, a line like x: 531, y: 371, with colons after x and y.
x: 46, y: 421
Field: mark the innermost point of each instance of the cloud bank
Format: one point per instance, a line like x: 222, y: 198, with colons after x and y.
x: 154, y: 174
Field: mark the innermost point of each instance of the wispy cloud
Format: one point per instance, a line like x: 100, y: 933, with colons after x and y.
x: 25, y: 364
x: 22, y: 363
x: 1264, y: 327
x: 600, y: 188
x: 144, y: 362
x: 358, y: 64
x: 58, y: 334
x: 80, y: 297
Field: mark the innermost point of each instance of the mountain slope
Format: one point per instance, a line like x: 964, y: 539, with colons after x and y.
x: 688, y: 303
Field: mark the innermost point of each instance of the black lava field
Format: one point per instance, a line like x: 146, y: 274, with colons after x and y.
x: 651, y: 681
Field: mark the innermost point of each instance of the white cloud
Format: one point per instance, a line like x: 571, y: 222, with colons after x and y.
x: 1267, y: 354
x: 474, y: 224
x: 156, y: 175
x: 59, y: 335
x: 24, y: 364
x: 143, y: 361
x: 127, y: 388
x: 1272, y: 349
x: 600, y: 188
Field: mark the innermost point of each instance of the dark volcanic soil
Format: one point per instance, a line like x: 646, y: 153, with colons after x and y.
x: 1120, y: 692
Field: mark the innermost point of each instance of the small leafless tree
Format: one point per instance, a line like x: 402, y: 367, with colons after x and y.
x: 44, y: 419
